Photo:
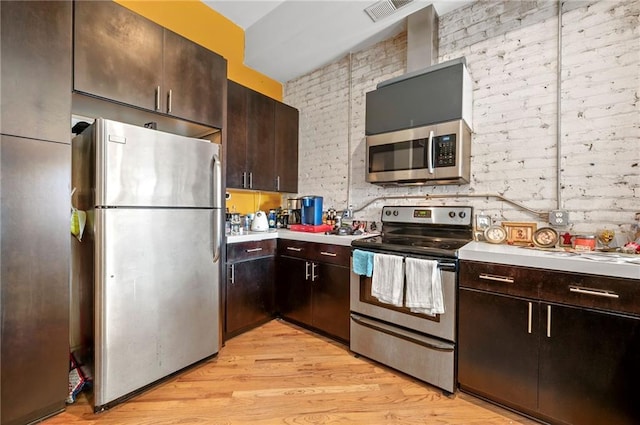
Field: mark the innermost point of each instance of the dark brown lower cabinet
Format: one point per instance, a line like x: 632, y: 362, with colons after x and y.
x: 314, y: 290
x: 330, y: 300
x: 34, y: 278
x: 497, y: 356
x: 249, y: 295
x: 249, y: 288
x: 589, y: 366
x: 561, y: 347
x: 293, y: 290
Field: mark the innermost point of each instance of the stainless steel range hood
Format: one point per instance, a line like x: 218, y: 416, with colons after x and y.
x: 409, y: 118
x: 427, y: 93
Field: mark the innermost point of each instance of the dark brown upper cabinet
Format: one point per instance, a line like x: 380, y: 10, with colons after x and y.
x: 286, y: 148
x: 124, y: 57
x: 36, y: 70
x: 262, y: 142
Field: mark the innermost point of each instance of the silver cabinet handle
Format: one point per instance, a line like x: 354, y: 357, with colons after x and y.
x: 232, y: 268
x: 306, y: 270
x: 291, y: 248
x: 314, y: 276
x: 244, y: 179
x: 503, y: 279
x: 251, y: 180
x: 548, y: 321
x: 253, y: 250
x: 278, y: 183
x: 328, y: 254
x: 169, y: 101
x: 157, y: 98
x: 592, y: 291
x: 529, y: 317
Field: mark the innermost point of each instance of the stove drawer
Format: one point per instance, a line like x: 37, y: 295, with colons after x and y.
x: 428, y: 359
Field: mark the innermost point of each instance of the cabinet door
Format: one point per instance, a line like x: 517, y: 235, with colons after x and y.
x: 249, y: 294
x: 589, y: 366
x: 331, y: 300
x: 34, y: 278
x: 293, y: 286
x: 36, y: 69
x: 236, y: 135
x: 194, y: 79
x: 286, y: 148
x: 260, y: 142
x: 497, y: 355
x: 117, y: 54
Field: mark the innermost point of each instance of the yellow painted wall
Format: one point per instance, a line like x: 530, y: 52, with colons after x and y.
x: 244, y: 201
x: 203, y: 25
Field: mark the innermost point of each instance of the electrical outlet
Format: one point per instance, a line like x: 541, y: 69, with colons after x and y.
x: 559, y: 218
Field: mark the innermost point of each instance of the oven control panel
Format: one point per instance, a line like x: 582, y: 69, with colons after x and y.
x: 431, y: 215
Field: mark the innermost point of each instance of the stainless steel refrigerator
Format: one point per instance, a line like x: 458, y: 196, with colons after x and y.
x: 150, y: 252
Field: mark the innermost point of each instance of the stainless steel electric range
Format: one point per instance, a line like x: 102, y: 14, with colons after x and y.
x: 417, y: 344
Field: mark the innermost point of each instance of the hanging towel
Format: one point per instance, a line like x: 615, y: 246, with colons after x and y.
x: 424, y: 287
x: 363, y: 262
x: 387, y: 281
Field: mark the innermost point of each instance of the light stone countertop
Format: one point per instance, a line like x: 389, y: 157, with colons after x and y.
x: 596, y: 263
x: 298, y: 236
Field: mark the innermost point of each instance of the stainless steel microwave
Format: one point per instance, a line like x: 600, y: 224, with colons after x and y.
x: 434, y: 154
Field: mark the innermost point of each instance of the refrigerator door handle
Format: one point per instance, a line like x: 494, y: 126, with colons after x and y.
x: 217, y: 206
x: 217, y: 181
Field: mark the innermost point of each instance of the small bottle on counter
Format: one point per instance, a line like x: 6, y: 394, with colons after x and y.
x: 246, y: 223
x: 272, y: 219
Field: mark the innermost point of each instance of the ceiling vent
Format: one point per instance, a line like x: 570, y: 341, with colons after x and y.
x: 385, y: 8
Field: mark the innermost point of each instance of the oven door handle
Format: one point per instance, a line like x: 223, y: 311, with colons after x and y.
x: 398, y: 333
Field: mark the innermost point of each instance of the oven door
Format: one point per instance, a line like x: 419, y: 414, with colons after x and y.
x: 440, y: 326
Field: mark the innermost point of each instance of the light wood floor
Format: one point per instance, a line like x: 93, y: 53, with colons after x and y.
x: 282, y: 374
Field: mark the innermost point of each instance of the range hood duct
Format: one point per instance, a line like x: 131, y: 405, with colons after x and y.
x: 429, y: 92
x: 422, y: 39
x: 418, y: 126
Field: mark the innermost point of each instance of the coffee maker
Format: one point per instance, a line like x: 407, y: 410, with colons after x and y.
x: 312, y: 210
x: 294, y: 205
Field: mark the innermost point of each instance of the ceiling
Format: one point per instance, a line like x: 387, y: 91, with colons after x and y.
x: 285, y: 39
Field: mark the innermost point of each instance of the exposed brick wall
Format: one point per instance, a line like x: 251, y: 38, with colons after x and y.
x: 511, y: 51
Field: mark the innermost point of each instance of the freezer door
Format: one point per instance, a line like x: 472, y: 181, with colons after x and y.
x: 156, y: 296
x: 137, y: 166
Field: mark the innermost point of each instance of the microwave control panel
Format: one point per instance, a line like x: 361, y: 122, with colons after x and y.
x: 445, y: 150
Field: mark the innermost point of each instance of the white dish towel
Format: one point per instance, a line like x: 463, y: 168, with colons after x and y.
x: 387, y: 281
x: 424, y: 287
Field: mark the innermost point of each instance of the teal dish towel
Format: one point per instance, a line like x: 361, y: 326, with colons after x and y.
x: 363, y: 262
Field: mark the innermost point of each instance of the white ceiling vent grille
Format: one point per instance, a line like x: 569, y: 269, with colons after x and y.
x: 385, y: 8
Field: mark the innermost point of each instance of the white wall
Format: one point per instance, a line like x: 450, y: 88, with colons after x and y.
x: 511, y: 48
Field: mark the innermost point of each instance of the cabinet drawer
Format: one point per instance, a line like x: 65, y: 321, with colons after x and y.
x: 291, y: 248
x: 331, y: 254
x: 319, y: 252
x: 598, y: 292
x: 252, y: 249
x: 502, y: 279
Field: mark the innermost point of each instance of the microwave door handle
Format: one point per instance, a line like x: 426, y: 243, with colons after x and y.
x: 430, y: 153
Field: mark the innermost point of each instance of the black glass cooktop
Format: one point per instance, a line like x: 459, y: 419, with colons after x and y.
x: 444, y: 247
